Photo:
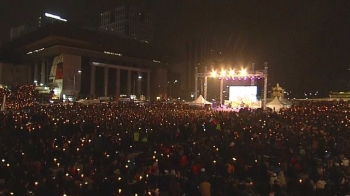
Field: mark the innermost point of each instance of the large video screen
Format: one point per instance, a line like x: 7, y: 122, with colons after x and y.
x: 243, y: 94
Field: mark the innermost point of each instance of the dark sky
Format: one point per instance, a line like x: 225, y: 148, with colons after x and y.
x: 306, y: 43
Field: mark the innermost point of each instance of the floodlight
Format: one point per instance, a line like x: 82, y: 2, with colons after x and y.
x: 223, y: 73
x: 243, y: 72
x: 55, y: 17
x: 232, y: 72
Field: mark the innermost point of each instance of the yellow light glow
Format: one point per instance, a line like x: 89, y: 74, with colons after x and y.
x: 213, y: 74
x: 232, y: 72
x: 223, y: 73
x: 243, y: 72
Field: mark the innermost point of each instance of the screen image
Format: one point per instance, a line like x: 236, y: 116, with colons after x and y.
x: 242, y: 95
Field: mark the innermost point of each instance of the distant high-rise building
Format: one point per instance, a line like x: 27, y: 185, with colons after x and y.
x: 199, y: 53
x: 24, y: 29
x: 130, y: 21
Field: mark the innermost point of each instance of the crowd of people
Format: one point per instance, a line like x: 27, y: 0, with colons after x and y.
x: 165, y: 149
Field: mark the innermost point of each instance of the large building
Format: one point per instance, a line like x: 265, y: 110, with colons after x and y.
x: 129, y: 21
x: 40, y: 21
x: 77, y: 61
x: 200, y: 53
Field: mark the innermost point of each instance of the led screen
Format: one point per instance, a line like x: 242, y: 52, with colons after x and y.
x: 243, y: 94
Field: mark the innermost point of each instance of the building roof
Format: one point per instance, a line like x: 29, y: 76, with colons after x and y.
x: 77, y: 37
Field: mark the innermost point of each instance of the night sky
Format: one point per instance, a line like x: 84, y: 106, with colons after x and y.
x: 306, y: 43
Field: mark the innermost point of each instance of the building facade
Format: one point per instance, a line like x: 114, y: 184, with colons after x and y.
x: 130, y: 21
x: 34, y: 25
x: 14, y: 74
x: 79, y: 62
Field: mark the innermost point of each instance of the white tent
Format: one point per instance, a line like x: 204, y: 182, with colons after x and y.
x: 87, y: 102
x: 275, y: 104
x: 200, y: 101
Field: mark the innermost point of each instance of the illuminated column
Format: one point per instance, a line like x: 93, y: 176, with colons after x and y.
x: 92, y: 80
x: 129, y: 84
x: 221, y: 90
x: 36, y: 71
x: 118, y: 84
x: 148, y: 94
x: 205, y: 84
x: 106, y: 82
x: 30, y: 75
x: 265, y: 86
x: 195, y: 82
x: 138, y: 88
x: 47, y: 70
x: 43, y: 72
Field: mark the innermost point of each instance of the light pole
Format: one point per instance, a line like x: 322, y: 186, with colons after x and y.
x: 139, y: 86
x: 221, y: 90
x: 265, y: 85
x: 74, y: 81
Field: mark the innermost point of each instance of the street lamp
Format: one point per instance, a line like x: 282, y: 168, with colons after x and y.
x: 74, y: 80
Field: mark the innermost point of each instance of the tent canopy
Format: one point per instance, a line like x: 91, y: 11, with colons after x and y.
x: 200, y: 101
x: 275, y: 104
